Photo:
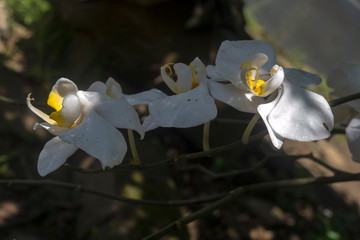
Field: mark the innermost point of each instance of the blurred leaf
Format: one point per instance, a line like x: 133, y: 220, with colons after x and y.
x: 28, y: 11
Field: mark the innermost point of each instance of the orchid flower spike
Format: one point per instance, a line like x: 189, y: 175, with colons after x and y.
x: 346, y: 81
x: 191, y: 105
x: 259, y: 85
x: 85, y: 120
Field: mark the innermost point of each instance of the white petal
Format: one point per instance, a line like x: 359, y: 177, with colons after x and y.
x: 120, y: 114
x: 301, y: 115
x: 184, y: 77
x: 302, y: 78
x: 273, y: 83
x: 150, y: 124
x: 188, y: 109
x: 99, y: 138
x: 97, y: 87
x: 264, y: 111
x: 91, y: 99
x: 257, y: 60
x: 213, y: 74
x: 70, y: 111
x: 353, y: 137
x: 232, y: 54
x: 144, y: 98
x: 63, y: 86
x: 199, y: 68
x: 113, y: 88
x: 53, y: 155
x: 235, y: 97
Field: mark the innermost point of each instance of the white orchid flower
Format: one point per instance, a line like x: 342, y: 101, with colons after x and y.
x: 346, y: 81
x: 191, y: 105
x: 85, y: 120
x: 258, y: 85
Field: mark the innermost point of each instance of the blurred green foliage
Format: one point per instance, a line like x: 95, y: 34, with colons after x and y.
x: 28, y: 11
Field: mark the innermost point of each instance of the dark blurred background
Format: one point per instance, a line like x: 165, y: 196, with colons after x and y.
x: 87, y: 41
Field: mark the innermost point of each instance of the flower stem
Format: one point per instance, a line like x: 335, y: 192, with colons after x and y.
x: 134, y: 151
x: 206, y: 133
x: 249, y: 128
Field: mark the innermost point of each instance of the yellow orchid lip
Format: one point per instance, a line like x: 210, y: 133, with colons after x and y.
x: 255, y: 84
x: 55, y: 100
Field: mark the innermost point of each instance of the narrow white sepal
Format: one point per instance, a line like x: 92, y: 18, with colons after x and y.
x: 302, y: 78
x: 144, y: 98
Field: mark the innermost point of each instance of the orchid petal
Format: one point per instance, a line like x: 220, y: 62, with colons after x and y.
x: 235, y: 97
x: 91, y: 99
x: 301, y: 115
x: 184, y: 77
x: 144, y: 98
x: 198, y: 67
x: 117, y: 111
x: 99, y: 138
x: 64, y: 86
x: 53, y: 155
x: 150, y: 124
x: 213, y: 74
x: 232, y: 54
x: 113, y: 88
x: 120, y: 114
x: 264, y: 110
x: 97, y: 87
x: 257, y: 60
x: 353, y: 137
x: 302, y: 78
x: 188, y: 109
x: 273, y: 83
x: 70, y: 111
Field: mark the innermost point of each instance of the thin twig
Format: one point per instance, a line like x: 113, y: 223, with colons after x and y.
x: 309, y: 156
x: 343, y: 100
x: 216, y: 175
x: 250, y: 189
x: 171, y: 160
x: 81, y: 188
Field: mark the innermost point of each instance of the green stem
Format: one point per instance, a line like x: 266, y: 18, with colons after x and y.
x: 134, y: 151
x: 249, y: 128
x: 206, y: 134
